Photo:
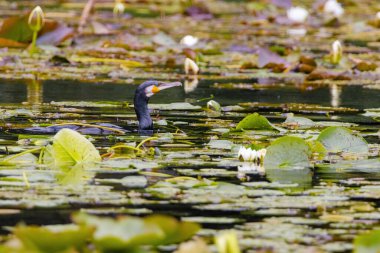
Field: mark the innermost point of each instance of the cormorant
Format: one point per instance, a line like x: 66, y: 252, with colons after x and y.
x: 142, y: 95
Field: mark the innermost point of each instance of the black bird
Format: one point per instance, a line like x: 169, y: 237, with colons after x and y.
x: 142, y: 95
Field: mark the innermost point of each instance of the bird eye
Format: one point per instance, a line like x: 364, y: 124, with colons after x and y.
x: 155, y: 89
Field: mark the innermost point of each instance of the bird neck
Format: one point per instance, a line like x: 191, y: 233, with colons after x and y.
x: 142, y: 113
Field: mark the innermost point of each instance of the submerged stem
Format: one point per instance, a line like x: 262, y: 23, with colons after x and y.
x: 146, y: 140
x: 91, y: 125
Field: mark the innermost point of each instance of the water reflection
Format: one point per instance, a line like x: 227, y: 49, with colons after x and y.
x: 335, y: 92
x: 34, y: 91
x: 191, y: 84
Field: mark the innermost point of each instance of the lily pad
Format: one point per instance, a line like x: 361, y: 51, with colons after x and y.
x: 57, y: 238
x: 254, y: 122
x: 367, y: 243
x: 287, y: 152
x: 70, y: 148
x: 341, y: 139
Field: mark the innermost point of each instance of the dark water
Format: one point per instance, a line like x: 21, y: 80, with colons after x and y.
x: 349, y: 96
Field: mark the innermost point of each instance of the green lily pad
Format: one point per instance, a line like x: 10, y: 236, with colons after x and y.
x: 132, y: 232
x: 287, y: 152
x: 367, y: 243
x: 50, y: 239
x: 341, y: 139
x: 70, y: 148
x: 254, y: 122
x: 175, y: 231
x: 121, y: 234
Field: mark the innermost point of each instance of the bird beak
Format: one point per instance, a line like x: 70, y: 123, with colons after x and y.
x: 163, y: 85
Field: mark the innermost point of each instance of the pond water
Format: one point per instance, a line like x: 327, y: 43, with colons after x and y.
x: 267, y: 91
x: 252, y: 58
x: 287, y: 211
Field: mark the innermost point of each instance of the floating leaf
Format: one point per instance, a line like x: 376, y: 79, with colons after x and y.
x: 121, y: 234
x: 51, y: 239
x: 70, y: 148
x: 254, y: 121
x: 175, y: 231
x: 268, y: 59
x: 367, y: 243
x: 341, y: 139
x: 220, y: 144
x: 287, y: 152
x: 298, y: 122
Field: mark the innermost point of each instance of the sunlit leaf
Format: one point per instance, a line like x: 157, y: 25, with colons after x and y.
x: 338, y: 139
x: 254, y: 121
x: 367, y: 243
x: 287, y: 152
x: 70, y: 148
x: 175, y: 231
x: 121, y: 234
x: 51, y: 239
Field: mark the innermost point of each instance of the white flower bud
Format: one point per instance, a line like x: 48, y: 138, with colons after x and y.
x: 334, y: 8
x: 189, y: 41
x: 213, y: 105
x: 118, y: 9
x: 191, y: 67
x: 36, y: 19
x: 337, y: 52
x: 297, y: 14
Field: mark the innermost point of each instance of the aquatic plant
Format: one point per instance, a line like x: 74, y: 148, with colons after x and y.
x: 336, y: 52
x: 191, y: 67
x: 36, y: 21
x: 189, y: 40
x: 227, y: 242
x: 297, y: 14
x: 118, y: 9
x: 333, y: 7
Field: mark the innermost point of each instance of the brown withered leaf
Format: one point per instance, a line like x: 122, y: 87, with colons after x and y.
x: 11, y: 43
x: 271, y: 60
x: 365, y: 66
x: 325, y: 74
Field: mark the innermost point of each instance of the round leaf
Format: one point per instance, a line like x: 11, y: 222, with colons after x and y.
x: 287, y: 152
x: 254, y: 121
x: 70, y: 148
x: 341, y: 139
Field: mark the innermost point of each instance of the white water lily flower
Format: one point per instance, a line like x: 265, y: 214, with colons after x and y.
x: 261, y: 153
x: 191, y: 67
x: 336, y: 52
x: 333, y: 7
x: 189, y: 41
x: 297, y: 14
x: 247, y: 154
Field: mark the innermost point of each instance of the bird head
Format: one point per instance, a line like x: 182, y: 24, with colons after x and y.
x: 149, y: 88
